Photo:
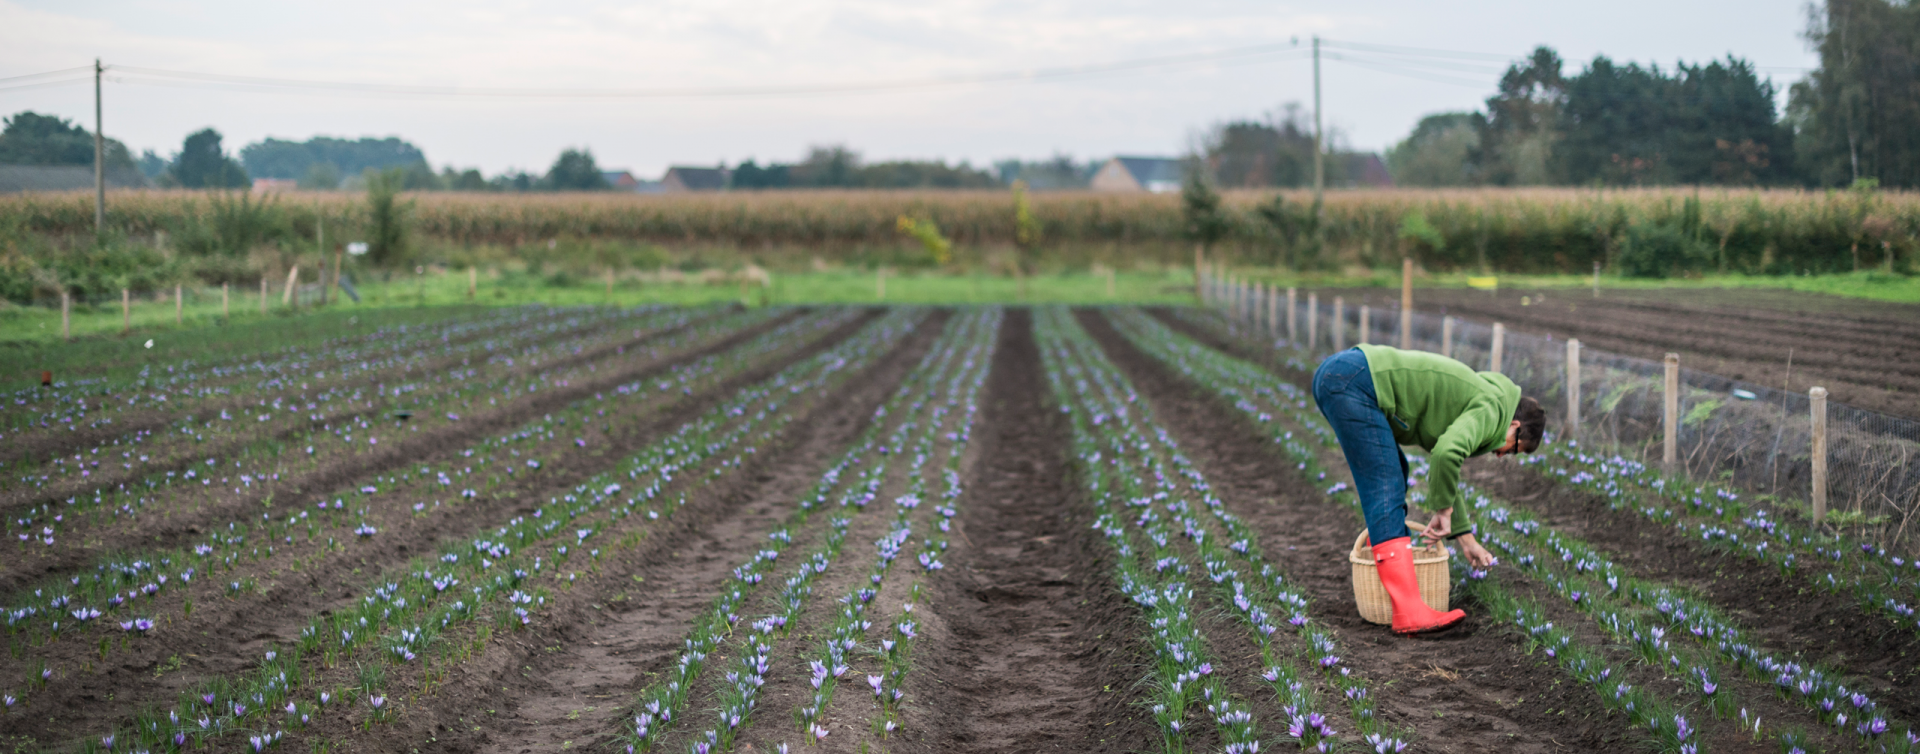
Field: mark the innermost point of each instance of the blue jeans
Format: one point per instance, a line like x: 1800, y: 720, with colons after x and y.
x: 1343, y: 386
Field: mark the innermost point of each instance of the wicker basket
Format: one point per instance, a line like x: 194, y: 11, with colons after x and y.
x: 1429, y: 566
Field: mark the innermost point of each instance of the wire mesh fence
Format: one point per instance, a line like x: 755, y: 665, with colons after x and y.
x: 1749, y: 436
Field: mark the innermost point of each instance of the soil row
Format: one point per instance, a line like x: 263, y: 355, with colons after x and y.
x: 225, y: 636
x: 1868, y: 357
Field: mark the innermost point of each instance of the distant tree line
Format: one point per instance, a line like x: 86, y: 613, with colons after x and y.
x: 839, y: 167
x: 1614, y: 124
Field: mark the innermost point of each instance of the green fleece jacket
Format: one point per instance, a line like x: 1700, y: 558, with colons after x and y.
x: 1446, y: 408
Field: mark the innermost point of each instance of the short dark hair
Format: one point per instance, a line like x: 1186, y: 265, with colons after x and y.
x: 1533, y: 424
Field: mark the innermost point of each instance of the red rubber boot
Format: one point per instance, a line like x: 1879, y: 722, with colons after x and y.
x: 1411, y: 615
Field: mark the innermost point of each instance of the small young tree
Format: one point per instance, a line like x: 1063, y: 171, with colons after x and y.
x: 387, y: 217
x: 1206, y: 219
x: 1026, y: 234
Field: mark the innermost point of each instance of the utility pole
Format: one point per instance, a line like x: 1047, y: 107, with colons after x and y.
x: 99, y: 157
x: 1319, y: 131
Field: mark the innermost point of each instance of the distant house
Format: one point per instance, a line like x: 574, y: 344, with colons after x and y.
x: 679, y: 180
x: 1155, y: 174
x: 275, y: 184
x: 1367, y: 171
x: 620, y: 180
x: 17, y: 178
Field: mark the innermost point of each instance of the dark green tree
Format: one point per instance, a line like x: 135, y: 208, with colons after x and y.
x: 1855, y: 114
x: 750, y: 175
x: 828, y: 167
x: 203, y: 164
x: 1253, y: 154
x: 575, y: 170
x: 34, y: 139
x: 1523, y: 123
x: 280, y: 158
x: 1438, y: 152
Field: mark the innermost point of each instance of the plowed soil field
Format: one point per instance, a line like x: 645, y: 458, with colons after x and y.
x: 1867, y: 354
x: 857, y: 530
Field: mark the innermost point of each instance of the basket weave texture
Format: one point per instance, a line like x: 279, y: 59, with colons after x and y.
x: 1429, y: 567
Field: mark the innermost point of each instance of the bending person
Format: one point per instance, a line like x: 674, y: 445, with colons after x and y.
x: 1379, y: 398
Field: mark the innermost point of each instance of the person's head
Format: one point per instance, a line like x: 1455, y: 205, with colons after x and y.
x: 1529, y: 425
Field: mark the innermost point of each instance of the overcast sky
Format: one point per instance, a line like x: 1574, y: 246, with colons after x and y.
x: 1373, y: 98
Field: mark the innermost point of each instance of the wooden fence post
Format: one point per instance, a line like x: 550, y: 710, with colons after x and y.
x: 1817, y: 399
x: 1366, y: 325
x: 1293, y: 321
x: 126, y: 311
x: 226, y: 300
x: 66, y: 314
x: 1273, y: 311
x: 1339, y: 324
x: 1200, y: 274
x: 320, y: 222
x: 1406, y: 304
x: 1596, y: 278
x: 293, y: 276
x: 179, y: 304
x: 1573, y: 387
x: 1446, y: 336
x: 1670, y: 411
x: 1499, y: 347
x: 1313, y: 320
x: 263, y: 294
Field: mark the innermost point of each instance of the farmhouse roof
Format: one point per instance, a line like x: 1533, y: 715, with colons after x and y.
x: 17, y: 178
x: 620, y: 180
x: 1125, y: 173
x: 681, y: 179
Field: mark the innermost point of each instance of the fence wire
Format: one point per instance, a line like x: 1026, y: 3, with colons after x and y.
x: 1748, y: 436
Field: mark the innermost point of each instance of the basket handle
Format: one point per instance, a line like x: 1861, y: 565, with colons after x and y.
x: 1361, y: 545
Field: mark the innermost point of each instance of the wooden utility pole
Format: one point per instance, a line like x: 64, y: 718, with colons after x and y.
x: 1573, y: 387
x: 1817, y: 400
x: 1406, y: 304
x: 1319, y: 133
x: 99, y: 155
x: 1670, y: 412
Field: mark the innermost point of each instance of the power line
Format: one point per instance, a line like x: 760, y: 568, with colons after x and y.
x: 163, y: 77
x: 77, y: 69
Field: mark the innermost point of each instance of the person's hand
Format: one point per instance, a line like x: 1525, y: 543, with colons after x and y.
x: 1439, y: 526
x: 1476, y: 555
